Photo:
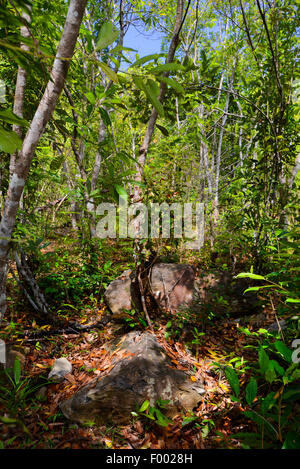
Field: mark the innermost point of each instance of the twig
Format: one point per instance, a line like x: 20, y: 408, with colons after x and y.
x: 143, y: 301
x: 278, y: 323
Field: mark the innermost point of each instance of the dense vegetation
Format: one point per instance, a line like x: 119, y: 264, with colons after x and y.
x: 212, y: 117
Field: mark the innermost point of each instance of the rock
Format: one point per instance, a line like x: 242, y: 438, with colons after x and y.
x: 174, y: 288
x: 274, y: 327
x: 172, y: 285
x: 219, y: 292
x: 118, y: 293
x: 142, y: 370
x: 61, y: 367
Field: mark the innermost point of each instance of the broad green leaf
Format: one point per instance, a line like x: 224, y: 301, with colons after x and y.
x: 8, y: 420
x: 57, y: 162
x: 292, y: 441
x: 292, y: 300
x: 9, y: 141
x: 105, y: 116
x: 90, y: 97
x: 284, y: 351
x: 263, y: 360
x: 292, y: 393
x: 259, y: 288
x: 270, y: 375
x: 109, y: 72
x: 250, y: 275
x: 251, y: 390
x: 150, y: 91
x: 108, y: 34
x: 144, y: 406
x: 121, y: 191
x: 258, y: 419
x: 277, y: 367
x: 162, y: 419
x: 147, y: 58
x: 233, y: 380
x: 170, y: 67
x: 188, y: 420
x: 17, y: 371
x: 174, y: 84
x: 8, y: 116
x: 163, y: 130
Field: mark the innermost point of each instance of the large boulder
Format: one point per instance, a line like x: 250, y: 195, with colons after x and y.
x: 142, y: 370
x: 219, y: 292
x: 118, y: 294
x: 172, y: 285
x: 175, y: 288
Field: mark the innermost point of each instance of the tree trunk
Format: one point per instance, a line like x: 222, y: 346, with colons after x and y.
x: 42, y: 115
x: 20, y: 91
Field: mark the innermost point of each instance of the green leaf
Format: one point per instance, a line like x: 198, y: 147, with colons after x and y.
x: 147, y: 58
x: 90, y: 97
x: 170, y: 67
x: 292, y: 300
x: 105, y: 116
x: 268, y: 402
x: 258, y: 419
x: 292, y: 393
x: 259, y: 288
x: 57, y: 162
x: 109, y: 72
x: 150, y: 90
x: 121, y: 191
x: 284, y: 351
x: 270, y: 375
x: 9, y: 141
x: 277, y: 367
x: 188, y: 420
x: 162, y: 419
x: 108, y: 34
x: 292, y: 441
x: 250, y: 275
x: 251, y: 390
x: 8, y: 420
x: 233, y: 380
x: 8, y: 116
x: 163, y: 130
x: 144, y: 406
x: 17, y: 370
x: 174, y: 84
x: 263, y: 360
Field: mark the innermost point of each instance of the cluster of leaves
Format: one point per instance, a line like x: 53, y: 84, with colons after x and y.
x: 273, y: 411
x: 154, y: 413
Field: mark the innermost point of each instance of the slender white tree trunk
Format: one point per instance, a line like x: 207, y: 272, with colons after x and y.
x: 42, y: 115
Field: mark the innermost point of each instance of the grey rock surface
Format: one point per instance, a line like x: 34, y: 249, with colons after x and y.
x: 175, y: 287
x: 118, y: 294
x: 61, y: 367
x: 274, y: 327
x: 143, y: 371
x: 172, y: 285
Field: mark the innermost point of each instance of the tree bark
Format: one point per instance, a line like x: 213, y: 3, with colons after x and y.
x: 42, y: 115
x: 20, y: 91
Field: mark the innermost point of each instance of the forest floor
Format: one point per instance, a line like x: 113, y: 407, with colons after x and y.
x: 32, y: 419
